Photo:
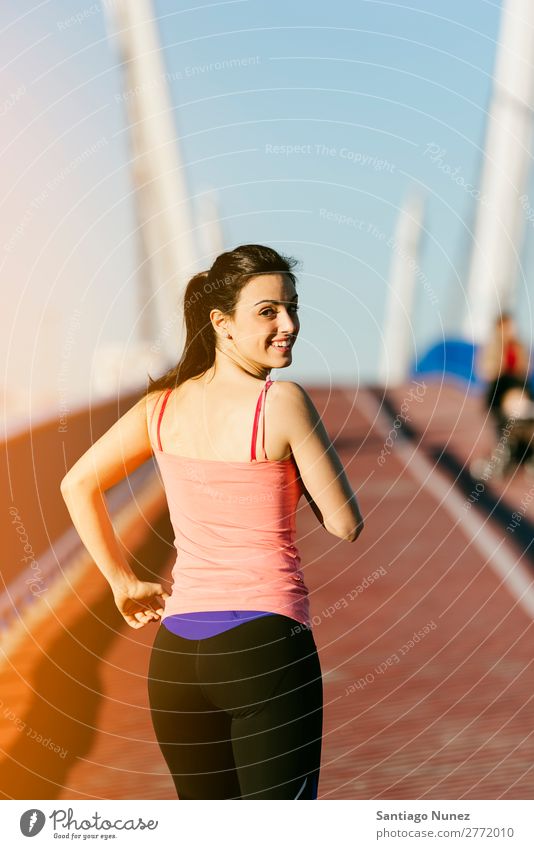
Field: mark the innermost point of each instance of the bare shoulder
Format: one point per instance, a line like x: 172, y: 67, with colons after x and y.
x: 142, y: 410
x: 294, y: 404
x: 291, y: 392
x: 151, y: 401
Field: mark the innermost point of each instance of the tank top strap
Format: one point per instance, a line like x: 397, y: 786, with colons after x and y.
x: 165, y: 399
x: 260, y: 408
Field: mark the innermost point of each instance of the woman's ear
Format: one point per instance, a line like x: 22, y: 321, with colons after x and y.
x: 219, y: 321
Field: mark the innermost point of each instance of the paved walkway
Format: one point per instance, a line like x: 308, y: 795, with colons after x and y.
x: 425, y: 639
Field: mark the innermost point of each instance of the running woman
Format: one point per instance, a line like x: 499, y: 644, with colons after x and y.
x: 234, y: 681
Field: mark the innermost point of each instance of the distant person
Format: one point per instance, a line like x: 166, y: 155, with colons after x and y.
x: 235, y: 683
x: 504, y: 364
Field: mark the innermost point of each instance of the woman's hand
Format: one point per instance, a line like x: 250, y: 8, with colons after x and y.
x: 140, y: 602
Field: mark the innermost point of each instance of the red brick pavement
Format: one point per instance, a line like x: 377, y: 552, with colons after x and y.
x: 444, y: 714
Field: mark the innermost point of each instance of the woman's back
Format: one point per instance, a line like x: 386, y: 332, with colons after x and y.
x: 206, y: 418
x: 234, y: 524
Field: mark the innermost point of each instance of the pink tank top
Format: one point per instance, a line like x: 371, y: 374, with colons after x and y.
x: 234, y: 528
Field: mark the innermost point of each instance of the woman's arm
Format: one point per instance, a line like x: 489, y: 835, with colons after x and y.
x: 124, y: 447
x: 313, y: 505
x: 327, y: 487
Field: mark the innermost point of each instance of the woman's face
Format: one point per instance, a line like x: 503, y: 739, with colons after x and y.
x: 265, y: 323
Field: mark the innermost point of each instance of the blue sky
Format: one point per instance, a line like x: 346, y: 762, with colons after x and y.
x: 364, y: 88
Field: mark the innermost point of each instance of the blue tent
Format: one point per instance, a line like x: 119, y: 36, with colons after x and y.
x: 452, y: 358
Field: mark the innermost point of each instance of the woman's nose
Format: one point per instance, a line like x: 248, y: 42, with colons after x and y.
x: 287, y: 323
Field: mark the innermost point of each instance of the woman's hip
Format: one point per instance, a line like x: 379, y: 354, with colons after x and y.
x: 245, y: 664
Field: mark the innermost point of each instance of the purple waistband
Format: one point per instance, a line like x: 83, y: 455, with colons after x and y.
x: 208, y: 623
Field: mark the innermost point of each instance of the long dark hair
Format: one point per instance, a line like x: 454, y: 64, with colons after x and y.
x: 219, y: 288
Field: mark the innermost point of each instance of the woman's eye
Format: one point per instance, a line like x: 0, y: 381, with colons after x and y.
x: 293, y: 307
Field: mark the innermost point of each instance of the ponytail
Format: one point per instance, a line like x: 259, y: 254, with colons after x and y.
x: 199, y: 350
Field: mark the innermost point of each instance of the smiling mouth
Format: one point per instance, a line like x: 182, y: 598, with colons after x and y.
x: 282, y: 346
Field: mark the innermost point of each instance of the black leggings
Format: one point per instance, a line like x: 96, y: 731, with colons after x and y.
x: 239, y: 715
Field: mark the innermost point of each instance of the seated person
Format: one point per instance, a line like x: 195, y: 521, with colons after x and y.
x: 504, y: 364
